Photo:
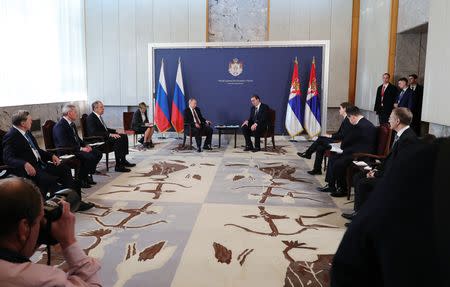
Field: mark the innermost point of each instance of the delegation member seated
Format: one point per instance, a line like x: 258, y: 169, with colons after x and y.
x: 256, y: 124
x: 141, y: 125
x: 199, y: 125
x: 360, y: 139
x: 22, y: 214
x: 322, y: 143
x: 364, y: 183
x: 22, y: 153
x: 65, y: 135
x: 96, y: 126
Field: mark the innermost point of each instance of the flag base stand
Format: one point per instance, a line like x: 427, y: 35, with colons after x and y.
x: 293, y: 140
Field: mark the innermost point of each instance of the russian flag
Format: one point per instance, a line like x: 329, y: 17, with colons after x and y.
x: 312, y: 108
x: 178, y: 103
x: 294, y: 107
x: 162, y: 114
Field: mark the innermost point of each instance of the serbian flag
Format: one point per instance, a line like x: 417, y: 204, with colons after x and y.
x: 178, y: 103
x: 312, y: 107
x: 294, y: 107
x: 162, y: 115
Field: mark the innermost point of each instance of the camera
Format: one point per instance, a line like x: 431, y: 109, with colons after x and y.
x: 53, y: 211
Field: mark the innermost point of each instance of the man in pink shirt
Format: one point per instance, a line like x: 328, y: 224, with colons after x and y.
x: 21, y: 216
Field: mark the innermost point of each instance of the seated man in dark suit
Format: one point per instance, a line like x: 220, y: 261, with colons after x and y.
x: 199, y: 125
x: 364, y: 183
x: 385, y: 99
x: 256, y: 124
x: 141, y: 125
x: 406, y: 218
x: 405, y: 98
x: 22, y: 153
x: 322, y: 143
x: 96, y: 127
x: 65, y: 135
x: 361, y: 138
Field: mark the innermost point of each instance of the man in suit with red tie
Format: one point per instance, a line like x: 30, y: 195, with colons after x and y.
x: 199, y: 125
x: 384, y: 103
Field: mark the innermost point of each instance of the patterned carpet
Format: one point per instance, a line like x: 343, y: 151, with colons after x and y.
x: 219, y: 218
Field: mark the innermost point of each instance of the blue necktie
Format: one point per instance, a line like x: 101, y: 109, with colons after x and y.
x: 33, y: 146
x: 401, y: 96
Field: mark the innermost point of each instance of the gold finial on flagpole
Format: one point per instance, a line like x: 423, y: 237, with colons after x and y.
x: 295, y: 60
x: 179, y: 59
x: 314, y: 60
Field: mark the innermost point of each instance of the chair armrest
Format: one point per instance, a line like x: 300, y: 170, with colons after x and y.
x: 94, y: 138
x: 369, y: 155
x: 60, y: 149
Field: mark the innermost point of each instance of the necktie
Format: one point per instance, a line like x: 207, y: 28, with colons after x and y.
x: 256, y: 114
x: 401, y: 96
x: 382, y: 94
x: 196, y: 118
x: 35, y: 150
x: 75, y: 135
x: 394, y: 144
x: 103, y: 123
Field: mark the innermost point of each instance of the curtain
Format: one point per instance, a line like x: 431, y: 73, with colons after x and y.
x: 42, y: 51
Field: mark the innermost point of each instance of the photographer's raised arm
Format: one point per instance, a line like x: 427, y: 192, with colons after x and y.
x: 22, y: 213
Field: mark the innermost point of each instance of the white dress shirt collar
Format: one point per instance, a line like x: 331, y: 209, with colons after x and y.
x: 68, y: 120
x: 400, y: 132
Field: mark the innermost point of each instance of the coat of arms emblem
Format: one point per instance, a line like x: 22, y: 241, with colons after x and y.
x: 235, y: 67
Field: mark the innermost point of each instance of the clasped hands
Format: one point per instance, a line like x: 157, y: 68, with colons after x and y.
x: 253, y: 127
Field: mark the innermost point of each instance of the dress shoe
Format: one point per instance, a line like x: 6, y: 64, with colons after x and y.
x: 121, y: 169
x: 207, y: 147
x: 199, y: 150
x: 340, y: 192
x: 256, y: 149
x: 126, y: 163
x: 150, y: 144
x: 248, y: 148
x: 349, y: 216
x: 90, y: 180
x: 304, y: 155
x: 315, y: 172
x: 327, y: 188
x: 85, y: 206
x: 85, y: 184
x: 141, y: 140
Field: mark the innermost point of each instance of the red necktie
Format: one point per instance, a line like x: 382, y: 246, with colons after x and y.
x: 382, y: 95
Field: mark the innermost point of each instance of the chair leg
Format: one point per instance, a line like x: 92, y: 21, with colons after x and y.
x: 265, y: 143
x: 184, y: 140
x: 273, y: 142
x: 107, y: 162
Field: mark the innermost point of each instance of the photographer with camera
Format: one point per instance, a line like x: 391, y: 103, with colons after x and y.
x: 22, y: 218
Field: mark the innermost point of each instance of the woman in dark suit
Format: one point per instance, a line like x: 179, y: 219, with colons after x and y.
x: 141, y: 125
